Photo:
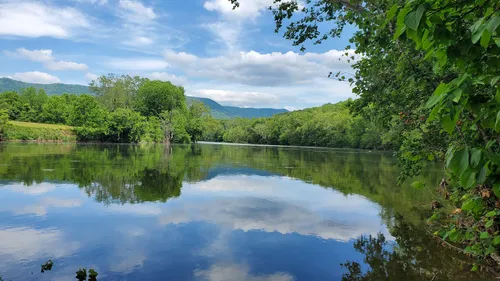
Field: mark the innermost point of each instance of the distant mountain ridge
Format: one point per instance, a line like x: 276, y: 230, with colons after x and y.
x: 217, y: 110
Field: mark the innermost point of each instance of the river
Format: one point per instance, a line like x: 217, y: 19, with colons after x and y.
x: 216, y: 212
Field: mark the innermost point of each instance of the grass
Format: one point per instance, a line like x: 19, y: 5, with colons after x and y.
x: 26, y: 131
x: 40, y: 125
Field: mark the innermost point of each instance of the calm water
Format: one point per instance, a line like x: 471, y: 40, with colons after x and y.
x: 214, y: 212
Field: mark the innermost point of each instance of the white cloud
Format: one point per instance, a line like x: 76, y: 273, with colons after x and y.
x: 265, y: 79
x: 236, y: 98
x: 237, y: 272
x: 46, y: 57
x: 36, y: 77
x: 248, y: 9
x: 135, y: 11
x: 139, y: 41
x: 227, y: 33
x: 257, y: 69
x: 91, y: 76
x: 17, y: 244
x: 135, y: 209
x: 164, y: 76
x: 36, y: 19
x: 136, y: 64
x: 34, y: 189
x: 98, y: 2
x: 41, y: 208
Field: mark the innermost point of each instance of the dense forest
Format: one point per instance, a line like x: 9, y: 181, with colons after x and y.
x: 216, y: 110
x: 331, y: 125
x: 128, y: 109
x: 124, y: 109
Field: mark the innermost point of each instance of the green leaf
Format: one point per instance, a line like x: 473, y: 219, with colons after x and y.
x: 412, y: 20
x: 476, y: 25
x: 496, y: 189
x: 496, y: 240
x: 497, y: 41
x: 438, y: 95
x: 392, y: 12
x: 400, y: 22
x: 485, y: 39
x: 417, y: 185
x: 467, y: 178
x: 481, y: 178
x: 457, y: 94
x: 484, y: 235
x: 448, y: 124
x: 493, y: 24
x: 478, y: 34
x: 489, y: 223
x: 494, y: 80
x: 475, y: 157
x: 464, y: 160
x: 455, y: 163
x: 497, y: 122
x: 491, y: 214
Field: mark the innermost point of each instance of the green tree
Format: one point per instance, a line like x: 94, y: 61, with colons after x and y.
x: 4, y: 122
x: 126, y: 125
x: 115, y: 91
x: 198, y: 114
x: 161, y: 99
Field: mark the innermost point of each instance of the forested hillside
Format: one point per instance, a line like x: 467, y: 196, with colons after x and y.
x: 217, y: 110
x: 331, y: 125
x: 7, y: 84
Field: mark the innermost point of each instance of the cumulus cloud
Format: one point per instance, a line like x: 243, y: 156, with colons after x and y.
x: 165, y: 76
x: 136, y: 12
x: 46, y: 58
x: 41, y: 208
x: 17, y: 244
x: 91, y: 76
x: 36, y: 19
x: 98, y: 2
x: 36, y: 77
x: 251, y: 213
x: 136, y: 64
x: 236, y: 98
x: 256, y: 69
x: 237, y: 272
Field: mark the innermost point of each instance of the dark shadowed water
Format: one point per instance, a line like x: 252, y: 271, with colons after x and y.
x: 215, y: 212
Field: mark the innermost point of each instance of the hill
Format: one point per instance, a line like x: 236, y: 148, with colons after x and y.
x: 7, y: 84
x: 217, y: 110
x: 228, y: 112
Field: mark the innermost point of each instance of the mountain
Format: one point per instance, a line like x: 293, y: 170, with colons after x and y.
x: 7, y: 84
x: 217, y: 110
x: 228, y: 112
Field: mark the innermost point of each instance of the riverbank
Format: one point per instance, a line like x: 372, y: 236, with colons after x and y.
x: 38, y: 132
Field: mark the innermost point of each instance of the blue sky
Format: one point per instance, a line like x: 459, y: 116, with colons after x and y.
x: 231, y: 56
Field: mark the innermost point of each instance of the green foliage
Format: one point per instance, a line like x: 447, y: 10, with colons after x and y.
x: 115, y: 92
x: 113, y: 116
x: 4, y: 119
x: 162, y: 100
x: 329, y: 126
x: 434, y: 65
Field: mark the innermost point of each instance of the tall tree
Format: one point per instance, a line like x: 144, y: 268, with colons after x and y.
x: 115, y: 92
x: 161, y: 99
x: 197, y: 114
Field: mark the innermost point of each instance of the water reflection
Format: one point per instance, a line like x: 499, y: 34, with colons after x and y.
x: 210, y: 212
